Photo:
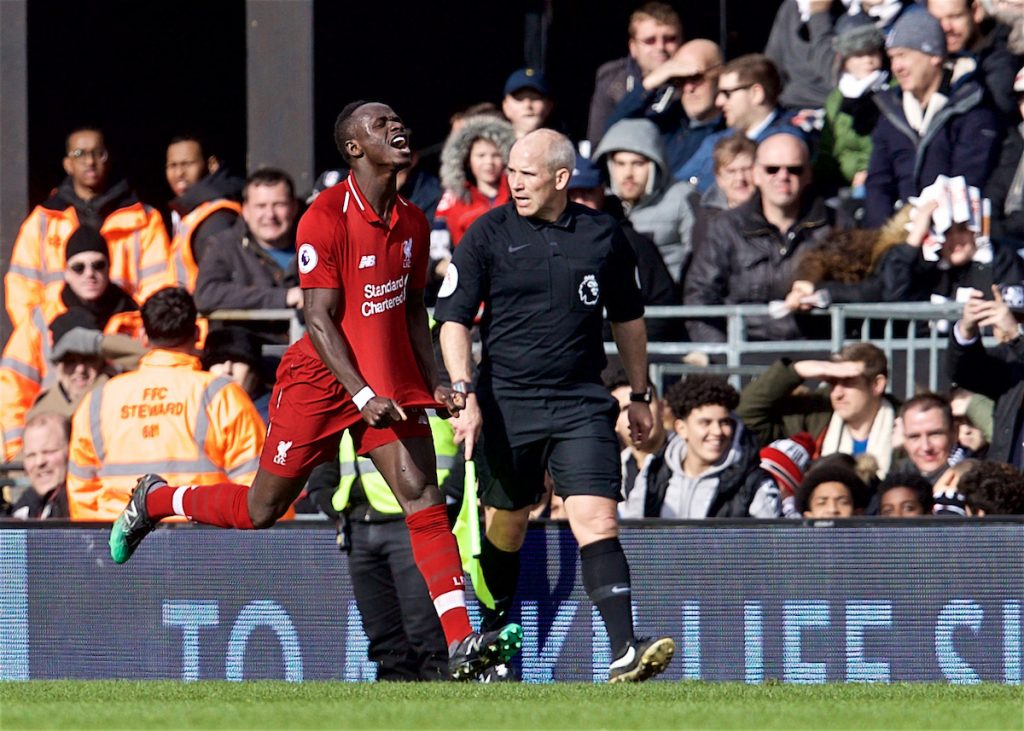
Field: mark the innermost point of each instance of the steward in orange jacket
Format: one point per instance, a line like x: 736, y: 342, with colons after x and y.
x: 26, y: 364
x: 206, y: 204
x: 169, y: 416
x: 139, y: 246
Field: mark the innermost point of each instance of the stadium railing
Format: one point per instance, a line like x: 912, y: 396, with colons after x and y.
x: 912, y: 335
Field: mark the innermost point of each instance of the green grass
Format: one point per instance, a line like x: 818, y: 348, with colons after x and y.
x: 689, y: 705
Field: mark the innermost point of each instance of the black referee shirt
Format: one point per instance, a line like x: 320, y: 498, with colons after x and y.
x: 544, y: 287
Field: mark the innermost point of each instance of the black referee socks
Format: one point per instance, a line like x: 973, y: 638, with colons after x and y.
x: 606, y: 579
x: 501, y: 573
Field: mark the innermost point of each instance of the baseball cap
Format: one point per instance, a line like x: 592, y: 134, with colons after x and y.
x: 585, y: 175
x: 527, y: 78
x: 327, y: 179
x: 918, y: 30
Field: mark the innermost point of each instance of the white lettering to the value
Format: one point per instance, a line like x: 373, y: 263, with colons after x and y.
x: 379, y: 290
x: 395, y: 287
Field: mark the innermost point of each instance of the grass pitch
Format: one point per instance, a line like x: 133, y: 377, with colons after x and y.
x: 689, y: 705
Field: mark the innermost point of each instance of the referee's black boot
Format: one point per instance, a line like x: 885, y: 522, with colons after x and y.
x: 643, y: 659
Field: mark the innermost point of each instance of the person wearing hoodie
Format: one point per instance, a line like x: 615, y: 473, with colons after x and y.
x: 705, y: 469
x: 655, y: 205
x: 933, y: 124
x: 135, y: 233
x: 473, y: 172
x: 206, y: 203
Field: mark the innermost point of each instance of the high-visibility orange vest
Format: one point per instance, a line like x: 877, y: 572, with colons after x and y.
x: 184, y: 268
x: 139, y: 256
x: 169, y: 417
x: 25, y: 367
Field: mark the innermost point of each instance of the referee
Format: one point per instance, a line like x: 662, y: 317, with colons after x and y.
x: 546, y: 269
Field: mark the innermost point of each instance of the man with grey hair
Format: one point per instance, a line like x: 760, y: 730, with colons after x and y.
x: 546, y: 270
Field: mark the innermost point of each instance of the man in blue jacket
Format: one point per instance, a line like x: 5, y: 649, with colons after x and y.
x: 931, y: 125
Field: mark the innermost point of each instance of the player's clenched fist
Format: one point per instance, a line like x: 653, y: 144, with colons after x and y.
x: 454, y: 401
x: 381, y: 411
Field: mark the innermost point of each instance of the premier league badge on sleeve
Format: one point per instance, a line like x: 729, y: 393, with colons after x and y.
x: 307, y: 258
x: 451, y: 281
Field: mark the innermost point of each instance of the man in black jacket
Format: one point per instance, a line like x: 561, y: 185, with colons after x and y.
x: 751, y: 251
x: 998, y: 373
x: 251, y: 266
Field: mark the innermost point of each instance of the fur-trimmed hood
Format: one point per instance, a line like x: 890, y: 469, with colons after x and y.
x: 455, y: 154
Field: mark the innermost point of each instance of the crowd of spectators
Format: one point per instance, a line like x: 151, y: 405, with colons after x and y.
x: 872, y: 153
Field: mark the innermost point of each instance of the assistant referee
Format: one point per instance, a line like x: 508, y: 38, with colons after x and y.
x: 546, y: 270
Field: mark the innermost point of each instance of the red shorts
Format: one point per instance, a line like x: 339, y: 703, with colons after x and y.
x: 309, y: 410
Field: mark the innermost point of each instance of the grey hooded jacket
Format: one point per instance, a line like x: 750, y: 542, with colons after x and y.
x: 666, y: 214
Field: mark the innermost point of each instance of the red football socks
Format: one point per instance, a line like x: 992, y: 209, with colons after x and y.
x: 223, y: 505
x: 437, y: 556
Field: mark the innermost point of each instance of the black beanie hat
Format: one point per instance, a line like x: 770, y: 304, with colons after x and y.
x: 75, y: 317
x: 235, y: 344
x: 86, y: 238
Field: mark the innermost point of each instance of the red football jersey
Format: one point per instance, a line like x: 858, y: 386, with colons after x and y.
x: 344, y: 244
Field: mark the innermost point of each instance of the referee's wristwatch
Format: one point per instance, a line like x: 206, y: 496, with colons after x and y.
x: 463, y: 387
x: 642, y: 398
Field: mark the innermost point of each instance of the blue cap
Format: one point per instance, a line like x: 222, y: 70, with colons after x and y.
x: 527, y: 78
x: 585, y: 175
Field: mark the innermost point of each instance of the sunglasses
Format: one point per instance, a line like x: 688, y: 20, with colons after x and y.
x: 99, y: 266
x: 790, y: 169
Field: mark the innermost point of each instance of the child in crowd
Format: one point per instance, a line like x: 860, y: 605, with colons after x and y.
x: 904, y: 495
x: 850, y: 115
x: 832, y: 489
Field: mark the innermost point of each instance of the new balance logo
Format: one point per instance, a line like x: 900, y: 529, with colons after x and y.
x: 131, y: 512
x: 370, y: 260
x: 282, y: 452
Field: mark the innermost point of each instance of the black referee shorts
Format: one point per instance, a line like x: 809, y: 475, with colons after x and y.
x: 525, y: 432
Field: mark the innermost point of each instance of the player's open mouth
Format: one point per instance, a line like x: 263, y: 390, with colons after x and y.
x: 400, y: 142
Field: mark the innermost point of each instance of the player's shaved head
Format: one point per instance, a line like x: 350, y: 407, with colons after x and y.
x: 345, y: 125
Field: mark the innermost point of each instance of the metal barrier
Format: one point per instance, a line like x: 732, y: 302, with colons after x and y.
x: 912, y: 335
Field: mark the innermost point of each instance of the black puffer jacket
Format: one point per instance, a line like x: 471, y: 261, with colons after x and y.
x: 907, y: 277
x: 746, y: 260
